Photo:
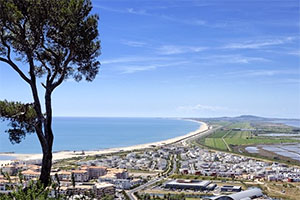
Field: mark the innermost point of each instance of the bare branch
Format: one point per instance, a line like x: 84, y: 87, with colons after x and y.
x: 44, y: 86
x: 11, y: 63
x: 15, y: 67
x: 53, y: 76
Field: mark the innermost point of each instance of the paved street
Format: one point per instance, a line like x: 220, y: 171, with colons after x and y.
x: 185, y: 142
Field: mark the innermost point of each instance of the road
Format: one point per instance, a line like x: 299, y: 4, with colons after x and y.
x: 130, y: 193
x: 223, y: 138
x: 184, y: 142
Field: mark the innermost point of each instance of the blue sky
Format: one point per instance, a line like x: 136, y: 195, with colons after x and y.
x: 186, y: 58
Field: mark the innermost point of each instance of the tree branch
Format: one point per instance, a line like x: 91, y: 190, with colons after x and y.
x: 15, y: 67
x: 11, y: 63
x: 37, y: 104
x: 63, y: 74
x: 49, y: 50
x: 51, y: 78
x: 47, y: 68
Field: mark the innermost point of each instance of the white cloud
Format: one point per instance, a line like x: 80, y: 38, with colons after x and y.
x: 109, y: 9
x: 137, y: 11
x: 138, y: 68
x: 134, y: 43
x: 263, y: 72
x: 123, y: 10
x: 133, y: 64
x: 133, y: 69
x: 144, y: 12
x: 175, y: 49
x: 196, y: 22
x: 234, y: 58
x: 136, y: 59
x: 258, y: 44
x: 295, y: 53
x: 121, y: 60
x: 200, y: 107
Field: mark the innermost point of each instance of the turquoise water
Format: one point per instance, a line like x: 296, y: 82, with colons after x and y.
x: 74, y: 133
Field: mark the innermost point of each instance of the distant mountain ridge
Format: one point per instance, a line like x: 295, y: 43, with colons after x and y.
x: 249, y: 118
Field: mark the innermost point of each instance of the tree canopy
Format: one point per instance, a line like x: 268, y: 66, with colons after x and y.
x: 22, y: 119
x: 56, y: 40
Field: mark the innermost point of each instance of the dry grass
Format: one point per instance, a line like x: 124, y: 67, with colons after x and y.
x: 289, y: 191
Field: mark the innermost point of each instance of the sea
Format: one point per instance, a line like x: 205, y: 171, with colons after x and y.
x: 83, y: 133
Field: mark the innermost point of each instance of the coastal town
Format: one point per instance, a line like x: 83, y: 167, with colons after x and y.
x: 175, y: 169
x: 149, y: 100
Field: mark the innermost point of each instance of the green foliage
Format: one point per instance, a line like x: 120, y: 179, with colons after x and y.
x: 108, y: 197
x: 22, y: 118
x: 125, y: 195
x: 32, y: 191
x: 168, y: 196
x: 54, y: 33
x: 35, y: 190
x: 56, y: 39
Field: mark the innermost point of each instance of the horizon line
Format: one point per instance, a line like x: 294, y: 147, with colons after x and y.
x: 290, y: 118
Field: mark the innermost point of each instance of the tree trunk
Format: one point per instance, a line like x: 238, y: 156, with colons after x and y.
x: 47, y: 148
x: 43, y: 128
x: 46, y: 166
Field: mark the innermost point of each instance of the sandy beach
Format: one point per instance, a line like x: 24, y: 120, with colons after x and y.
x: 69, y: 154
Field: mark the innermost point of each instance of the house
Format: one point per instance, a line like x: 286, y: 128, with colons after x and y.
x: 35, y: 168
x: 98, y: 189
x: 102, y: 189
x: 96, y: 171
x: 30, y: 174
x: 78, y: 189
x: 80, y: 175
x: 123, y: 184
x: 5, y: 186
x: 119, y: 173
x: 64, y: 175
x: 9, y: 169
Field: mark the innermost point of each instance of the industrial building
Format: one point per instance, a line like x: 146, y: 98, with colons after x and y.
x: 244, y: 195
x: 231, y: 188
x: 187, y: 184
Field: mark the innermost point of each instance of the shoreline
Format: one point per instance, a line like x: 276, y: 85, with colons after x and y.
x: 69, y: 154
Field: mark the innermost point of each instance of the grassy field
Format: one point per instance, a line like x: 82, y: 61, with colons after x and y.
x: 242, y: 133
